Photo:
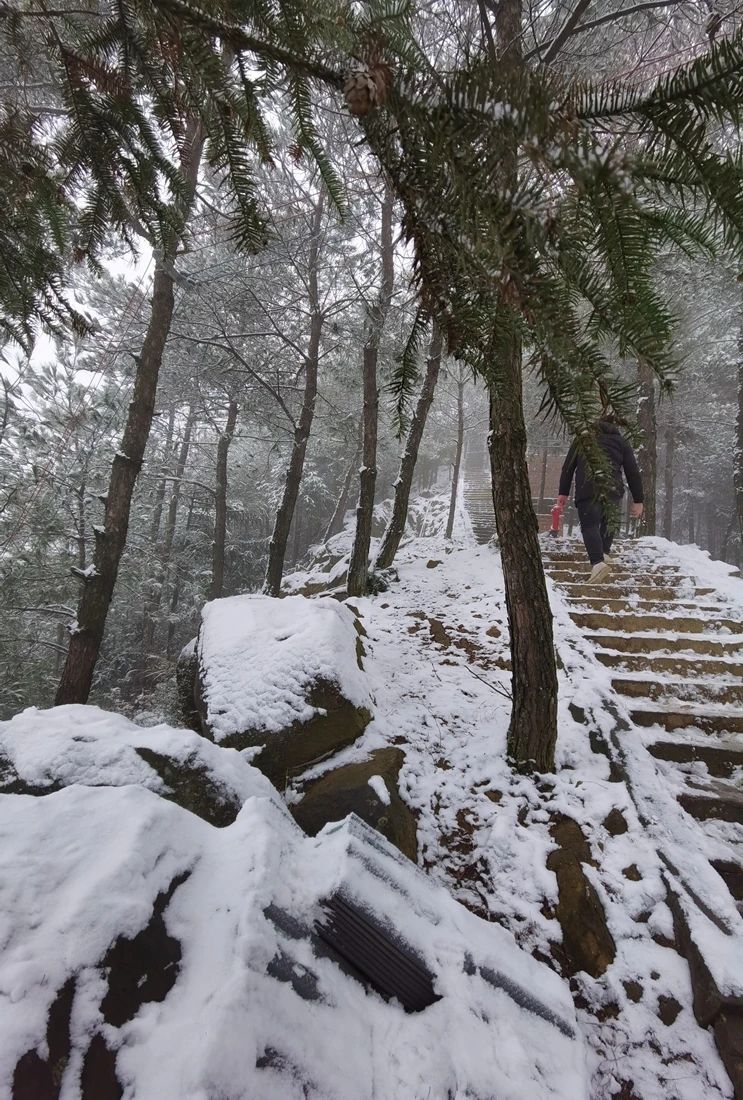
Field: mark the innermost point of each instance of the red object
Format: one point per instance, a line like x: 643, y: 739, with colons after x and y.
x: 556, y: 513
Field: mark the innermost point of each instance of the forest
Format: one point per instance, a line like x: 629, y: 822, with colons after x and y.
x: 302, y: 303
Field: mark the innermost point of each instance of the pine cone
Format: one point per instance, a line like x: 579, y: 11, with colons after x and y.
x: 366, y: 88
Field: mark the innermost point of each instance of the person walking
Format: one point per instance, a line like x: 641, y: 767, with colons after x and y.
x: 596, y: 518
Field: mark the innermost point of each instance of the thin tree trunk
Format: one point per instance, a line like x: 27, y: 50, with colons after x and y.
x: 711, y: 530
x: 298, y: 518
x: 87, y: 632
x: 358, y: 570
x: 647, y: 453
x: 668, y: 481
x: 543, y: 481
x: 738, y: 460
x: 220, y: 503
x: 153, y: 604
x: 532, y: 731
x: 399, y: 517
x: 284, y: 515
x: 336, y: 520
x: 457, y: 458
x: 157, y: 511
x: 175, y: 596
x: 81, y: 552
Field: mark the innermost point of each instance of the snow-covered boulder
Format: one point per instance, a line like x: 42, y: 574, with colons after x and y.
x: 44, y: 751
x: 367, y: 788
x: 284, y: 675
x: 148, y: 954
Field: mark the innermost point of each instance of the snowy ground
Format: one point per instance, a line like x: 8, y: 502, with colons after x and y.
x: 82, y: 865
x: 437, y: 643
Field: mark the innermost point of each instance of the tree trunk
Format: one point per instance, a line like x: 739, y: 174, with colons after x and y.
x: 668, y: 481
x: 543, y: 480
x: 738, y: 461
x: 336, y: 520
x: 358, y: 570
x: 457, y: 458
x: 152, y: 606
x: 86, y: 634
x: 176, y: 593
x: 157, y: 511
x: 81, y: 551
x: 284, y: 515
x: 399, y: 517
x: 220, y: 504
x: 532, y: 731
x: 647, y: 453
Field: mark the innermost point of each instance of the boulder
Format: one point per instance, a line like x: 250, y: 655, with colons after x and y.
x: 42, y: 752
x: 284, y: 676
x: 186, y: 680
x: 367, y: 789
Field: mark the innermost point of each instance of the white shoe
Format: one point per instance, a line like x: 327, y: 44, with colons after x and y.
x: 599, y: 572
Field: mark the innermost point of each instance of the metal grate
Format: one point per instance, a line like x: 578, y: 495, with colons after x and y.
x: 385, y: 964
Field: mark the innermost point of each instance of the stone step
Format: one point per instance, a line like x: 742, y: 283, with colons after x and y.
x: 708, y: 691
x: 580, y: 576
x: 676, y: 664
x: 629, y: 623
x: 689, y: 717
x: 720, y: 759
x: 732, y: 875
x: 725, y: 804
x: 620, y: 591
x: 662, y: 605
x: 654, y: 643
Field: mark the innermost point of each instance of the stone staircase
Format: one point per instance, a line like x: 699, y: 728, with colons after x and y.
x: 676, y: 656
x: 478, y: 493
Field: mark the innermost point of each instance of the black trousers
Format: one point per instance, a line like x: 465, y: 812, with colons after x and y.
x: 596, y: 528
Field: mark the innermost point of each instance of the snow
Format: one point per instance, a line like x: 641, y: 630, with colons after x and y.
x: 256, y: 1011
x: 259, y: 657
x: 378, y: 785
x: 81, y: 864
x: 447, y: 704
x: 86, y: 745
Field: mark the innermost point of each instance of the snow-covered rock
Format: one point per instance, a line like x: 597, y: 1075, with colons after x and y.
x: 284, y: 675
x: 44, y: 751
x: 182, y: 962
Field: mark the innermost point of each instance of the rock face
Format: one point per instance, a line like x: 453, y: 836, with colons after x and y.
x: 360, y: 789
x: 282, y: 675
x: 587, y: 943
x: 186, y: 679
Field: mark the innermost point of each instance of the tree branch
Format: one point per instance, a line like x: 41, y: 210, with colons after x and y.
x: 552, y: 47
x: 564, y: 33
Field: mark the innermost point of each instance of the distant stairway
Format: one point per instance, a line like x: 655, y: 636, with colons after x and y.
x: 478, y: 492
x: 676, y: 654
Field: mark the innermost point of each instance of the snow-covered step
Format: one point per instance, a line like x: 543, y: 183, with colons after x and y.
x: 690, y: 716
x: 667, y: 643
x: 629, y: 602
x: 634, y: 623
x: 643, y: 687
x: 580, y: 576
x: 625, y: 590
x: 732, y: 875
x: 720, y: 802
x: 720, y: 758
x: 678, y: 664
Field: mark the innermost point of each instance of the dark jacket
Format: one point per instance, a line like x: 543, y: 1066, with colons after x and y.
x: 621, y: 458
